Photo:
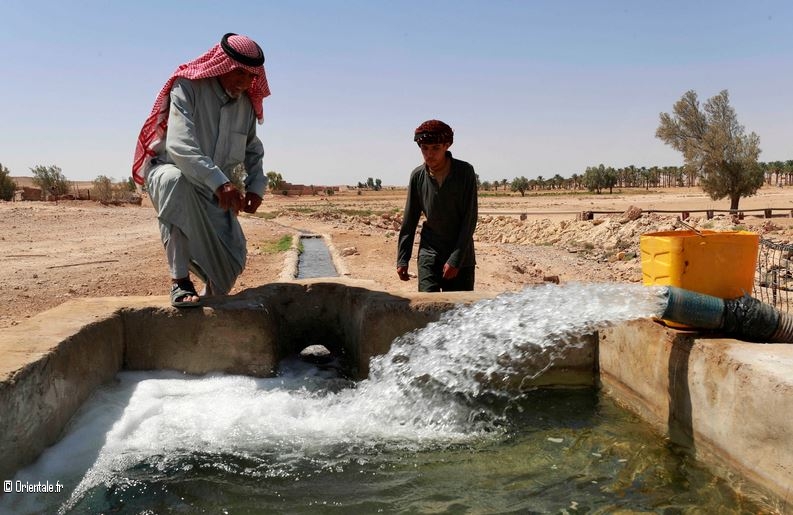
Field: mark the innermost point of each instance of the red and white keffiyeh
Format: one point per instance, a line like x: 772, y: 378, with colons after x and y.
x: 214, y: 63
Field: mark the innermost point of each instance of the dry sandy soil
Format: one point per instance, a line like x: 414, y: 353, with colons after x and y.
x: 52, y: 252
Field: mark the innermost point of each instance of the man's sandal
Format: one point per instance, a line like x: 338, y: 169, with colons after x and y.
x: 180, y: 291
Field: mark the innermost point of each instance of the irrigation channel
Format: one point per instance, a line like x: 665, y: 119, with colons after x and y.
x: 431, y: 430
x: 314, y: 260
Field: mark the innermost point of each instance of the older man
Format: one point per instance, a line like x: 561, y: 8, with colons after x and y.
x: 202, y: 125
x: 444, y: 190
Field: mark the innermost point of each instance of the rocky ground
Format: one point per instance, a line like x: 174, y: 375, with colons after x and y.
x: 52, y: 252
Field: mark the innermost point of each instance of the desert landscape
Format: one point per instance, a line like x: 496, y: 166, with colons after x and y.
x: 51, y: 252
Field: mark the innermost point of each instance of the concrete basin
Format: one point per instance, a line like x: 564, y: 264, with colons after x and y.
x: 729, y: 402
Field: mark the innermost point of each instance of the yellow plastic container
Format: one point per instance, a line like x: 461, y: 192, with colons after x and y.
x: 721, y: 264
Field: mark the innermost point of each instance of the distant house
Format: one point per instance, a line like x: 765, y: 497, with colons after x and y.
x: 28, y: 193
x: 298, y: 190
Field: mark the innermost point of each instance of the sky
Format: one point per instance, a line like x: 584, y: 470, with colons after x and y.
x: 531, y: 88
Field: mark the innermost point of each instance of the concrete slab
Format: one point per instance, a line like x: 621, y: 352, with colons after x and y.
x: 729, y: 402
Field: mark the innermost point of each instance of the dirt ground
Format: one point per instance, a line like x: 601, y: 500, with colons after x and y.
x: 52, y: 252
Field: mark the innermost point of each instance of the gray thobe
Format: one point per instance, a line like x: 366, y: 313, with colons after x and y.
x: 209, y: 133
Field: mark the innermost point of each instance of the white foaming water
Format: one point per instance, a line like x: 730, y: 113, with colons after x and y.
x: 420, y: 395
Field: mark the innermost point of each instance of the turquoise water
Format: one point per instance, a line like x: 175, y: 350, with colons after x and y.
x: 432, y: 430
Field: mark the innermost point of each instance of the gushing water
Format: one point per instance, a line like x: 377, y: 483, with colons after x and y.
x: 438, y: 387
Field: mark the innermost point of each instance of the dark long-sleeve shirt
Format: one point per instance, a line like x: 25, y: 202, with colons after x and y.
x: 451, y: 211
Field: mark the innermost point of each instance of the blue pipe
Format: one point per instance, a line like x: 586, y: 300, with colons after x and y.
x: 744, y: 318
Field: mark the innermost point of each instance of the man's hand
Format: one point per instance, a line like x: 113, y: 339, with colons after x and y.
x: 402, y: 272
x: 252, y: 202
x: 449, y: 271
x: 230, y: 198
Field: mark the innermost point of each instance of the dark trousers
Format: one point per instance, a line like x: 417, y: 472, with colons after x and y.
x: 431, y: 279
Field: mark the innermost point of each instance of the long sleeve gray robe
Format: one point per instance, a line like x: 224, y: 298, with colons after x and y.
x: 209, y: 133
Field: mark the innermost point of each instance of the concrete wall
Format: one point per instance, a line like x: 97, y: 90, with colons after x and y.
x: 729, y: 402
x: 48, y: 368
x: 198, y: 341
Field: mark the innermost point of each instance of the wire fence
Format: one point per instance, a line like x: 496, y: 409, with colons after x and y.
x: 773, y: 282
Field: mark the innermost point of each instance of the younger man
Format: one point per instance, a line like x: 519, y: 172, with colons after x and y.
x: 443, y: 189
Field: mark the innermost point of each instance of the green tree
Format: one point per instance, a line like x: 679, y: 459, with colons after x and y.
x: 520, y: 184
x: 50, y: 179
x: 714, y: 145
x: 594, y: 178
x: 7, y: 185
x: 274, y: 180
x: 378, y: 184
x: 610, y: 178
x: 575, y: 181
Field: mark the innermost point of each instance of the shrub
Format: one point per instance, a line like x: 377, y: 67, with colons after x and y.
x: 7, y: 185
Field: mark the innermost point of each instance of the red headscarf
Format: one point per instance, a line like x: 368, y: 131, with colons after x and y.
x: 433, y: 131
x: 220, y: 59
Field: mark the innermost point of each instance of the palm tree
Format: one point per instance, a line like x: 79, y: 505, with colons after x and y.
x: 576, y: 181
